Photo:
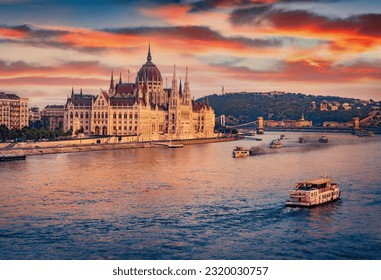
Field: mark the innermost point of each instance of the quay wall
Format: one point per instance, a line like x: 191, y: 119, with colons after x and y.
x: 91, y: 144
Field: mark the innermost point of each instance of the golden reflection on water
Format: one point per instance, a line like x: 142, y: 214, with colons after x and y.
x: 144, y: 193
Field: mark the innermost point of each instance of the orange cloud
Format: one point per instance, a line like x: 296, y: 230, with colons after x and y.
x: 308, y: 71
x: 12, y: 33
x: 353, y: 34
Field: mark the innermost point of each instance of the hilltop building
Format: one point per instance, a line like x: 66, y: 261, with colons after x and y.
x: 144, y: 109
x: 13, y: 111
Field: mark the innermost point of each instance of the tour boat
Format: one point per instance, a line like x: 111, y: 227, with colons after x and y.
x: 276, y: 144
x: 323, y: 139
x: 282, y: 137
x: 240, y: 152
x: 314, y: 192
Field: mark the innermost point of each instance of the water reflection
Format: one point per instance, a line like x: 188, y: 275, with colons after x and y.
x: 192, y: 203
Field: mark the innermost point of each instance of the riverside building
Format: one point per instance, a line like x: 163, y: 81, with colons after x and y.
x: 13, y: 111
x: 144, y: 109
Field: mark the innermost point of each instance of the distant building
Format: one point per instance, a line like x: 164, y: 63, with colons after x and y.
x: 54, y: 116
x: 324, y: 106
x: 145, y: 109
x: 313, y: 105
x: 34, y: 114
x: 346, y: 106
x: 334, y: 106
x: 13, y: 111
x: 338, y: 124
x: 288, y: 123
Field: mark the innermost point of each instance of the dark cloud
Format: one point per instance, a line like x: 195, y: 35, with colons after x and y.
x: 367, y: 24
x: 199, y: 33
x: 204, y: 5
x: 248, y: 15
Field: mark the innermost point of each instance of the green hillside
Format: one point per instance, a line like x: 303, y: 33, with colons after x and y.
x: 246, y: 107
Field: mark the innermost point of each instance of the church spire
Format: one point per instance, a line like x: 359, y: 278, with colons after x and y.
x: 180, y: 89
x: 174, y: 71
x: 187, y: 95
x: 112, y: 80
x: 149, y: 57
x: 120, y: 77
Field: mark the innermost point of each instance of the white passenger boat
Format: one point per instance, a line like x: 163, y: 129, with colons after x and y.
x: 314, y: 192
x: 240, y: 152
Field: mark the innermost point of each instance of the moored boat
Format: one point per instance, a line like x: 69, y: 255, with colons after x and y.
x: 313, y: 192
x: 249, y: 134
x: 323, y: 139
x: 301, y: 140
x: 282, y: 137
x: 276, y: 144
x: 240, y: 152
x: 11, y: 158
x: 174, y: 146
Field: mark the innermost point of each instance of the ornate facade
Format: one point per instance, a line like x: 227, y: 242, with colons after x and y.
x: 144, y: 109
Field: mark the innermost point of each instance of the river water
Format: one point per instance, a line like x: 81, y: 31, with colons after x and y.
x: 193, y: 203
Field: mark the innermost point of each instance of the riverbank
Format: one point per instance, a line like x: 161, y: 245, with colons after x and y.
x: 57, y: 147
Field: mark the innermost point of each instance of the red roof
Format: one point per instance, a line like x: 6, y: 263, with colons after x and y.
x: 125, y: 88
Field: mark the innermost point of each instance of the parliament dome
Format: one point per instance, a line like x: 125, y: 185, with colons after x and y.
x: 149, y: 71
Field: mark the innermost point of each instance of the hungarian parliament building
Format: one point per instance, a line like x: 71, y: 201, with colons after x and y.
x: 144, y: 109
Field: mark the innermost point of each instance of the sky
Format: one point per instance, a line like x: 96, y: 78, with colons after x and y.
x: 314, y: 47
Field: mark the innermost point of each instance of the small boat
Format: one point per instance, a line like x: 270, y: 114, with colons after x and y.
x: 11, y: 158
x: 313, y: 192
x: 175, y: 146
x: 282, y: 137
x: 250, y: 134
x: 323, y: 139
x: 240, y: 152
x: 301, y: 140
x: 364, y: 133
x: 276, y: 144
x: 258, y: 139
x: 260, y: 131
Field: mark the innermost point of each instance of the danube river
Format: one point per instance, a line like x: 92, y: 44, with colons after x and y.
x: 193, y: 203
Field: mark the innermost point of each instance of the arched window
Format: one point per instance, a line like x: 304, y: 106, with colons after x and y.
x: 99, y: 115
x: 87, y: 115
x: 125, y: 115
x: 81, y: 115
x: 71, y: 115
x: 130, y: 115
x: 106, y: 115
x: 120, y: 115
x: 103, y: 115
x: 76, y: 114
x: 95, y: 115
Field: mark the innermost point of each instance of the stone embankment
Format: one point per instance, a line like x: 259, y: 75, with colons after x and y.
x: 56, y: 147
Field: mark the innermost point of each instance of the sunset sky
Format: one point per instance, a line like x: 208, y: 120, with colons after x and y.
x: 314, y: 47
